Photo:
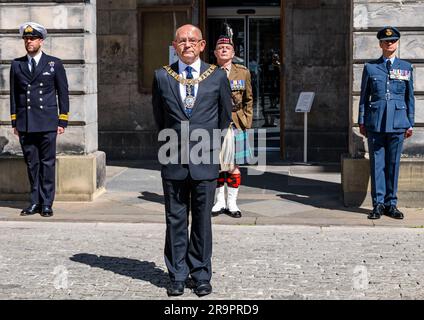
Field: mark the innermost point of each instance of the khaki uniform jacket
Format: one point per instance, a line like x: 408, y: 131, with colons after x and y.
x: 242, y: 114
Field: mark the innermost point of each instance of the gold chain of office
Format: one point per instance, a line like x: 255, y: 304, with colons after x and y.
x: 190, y: 82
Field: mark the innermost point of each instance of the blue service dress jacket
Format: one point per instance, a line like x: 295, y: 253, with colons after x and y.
x: 387, y: 98
x: 39, y: 102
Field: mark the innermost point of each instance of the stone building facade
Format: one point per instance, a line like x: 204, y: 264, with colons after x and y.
x: 110, y: 48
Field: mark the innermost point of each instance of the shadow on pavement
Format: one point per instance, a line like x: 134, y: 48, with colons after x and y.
x: 152, y: 197
x: 316, y: 193
x: 141, y: 270
x: 14, y: 204
x: 300, y: 187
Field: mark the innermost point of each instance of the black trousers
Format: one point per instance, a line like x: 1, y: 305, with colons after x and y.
x: 39, y: 149
x: 186, y: 255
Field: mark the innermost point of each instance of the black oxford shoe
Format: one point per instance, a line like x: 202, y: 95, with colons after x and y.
x: 203, y: 288
x: 46, y: 211
x: 376, y: 212
x: 217, y: 213
x: 176, y: 288
x: 32, y: 209
x: 234, y: 214
x: 393, y: 212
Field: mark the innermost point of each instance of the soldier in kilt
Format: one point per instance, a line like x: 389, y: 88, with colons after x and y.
x: 242, y: 113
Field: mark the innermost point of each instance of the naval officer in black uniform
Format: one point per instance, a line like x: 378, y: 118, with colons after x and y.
x: 39, y: 106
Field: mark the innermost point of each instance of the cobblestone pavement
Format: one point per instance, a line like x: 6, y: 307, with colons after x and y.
x: 56, y: 260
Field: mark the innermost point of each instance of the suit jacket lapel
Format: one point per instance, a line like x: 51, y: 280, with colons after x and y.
x: 41, y: 64
x: 24, y: 67
x: 200, y: 87
x: 396, y: 64
x: 175, y: 87
x: 233, y: 73
x: 381, y: 65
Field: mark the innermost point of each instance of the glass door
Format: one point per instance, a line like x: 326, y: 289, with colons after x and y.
x: 257, y: 39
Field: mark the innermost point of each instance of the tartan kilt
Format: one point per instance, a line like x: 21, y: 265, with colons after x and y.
x: 243, y: 151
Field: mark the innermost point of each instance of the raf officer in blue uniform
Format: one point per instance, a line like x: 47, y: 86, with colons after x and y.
x: 39, y: 106
x: 386, y: 118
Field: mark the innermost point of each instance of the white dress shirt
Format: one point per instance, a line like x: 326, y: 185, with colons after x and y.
x: 36, y: 58
x: 183, y: 73
x: 392, y: 59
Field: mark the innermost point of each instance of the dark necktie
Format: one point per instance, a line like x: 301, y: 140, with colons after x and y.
x: 33, y: 65
x: 189, y: 92
x: 388, y: 65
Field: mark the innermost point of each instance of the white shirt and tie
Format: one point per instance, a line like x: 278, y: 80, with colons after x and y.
x: 183, y: 73
x: 36, y: 58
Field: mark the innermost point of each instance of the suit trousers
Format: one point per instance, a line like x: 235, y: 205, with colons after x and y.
x: 186, y: 255
x: 39, y: 149
x: 385, y: 150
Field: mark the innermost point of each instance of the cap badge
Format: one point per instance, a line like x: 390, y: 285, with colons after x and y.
x: 29, y: 29
x: 389, y: 32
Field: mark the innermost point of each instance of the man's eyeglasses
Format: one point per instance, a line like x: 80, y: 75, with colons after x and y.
x: 191, y: 42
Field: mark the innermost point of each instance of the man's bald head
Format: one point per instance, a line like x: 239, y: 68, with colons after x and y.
x: 189, y: 28
x: 188, y: 43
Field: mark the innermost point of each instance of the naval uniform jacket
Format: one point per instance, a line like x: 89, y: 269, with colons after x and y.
x: 241, y: 91
x: 387, y: 100
x: 33, y: 103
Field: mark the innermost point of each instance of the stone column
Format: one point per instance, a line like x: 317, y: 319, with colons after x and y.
x: 367, y: 18
x: 71, y: 26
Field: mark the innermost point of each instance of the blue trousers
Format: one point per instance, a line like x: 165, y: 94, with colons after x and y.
x: 385, y: 150
x: 186, y: 254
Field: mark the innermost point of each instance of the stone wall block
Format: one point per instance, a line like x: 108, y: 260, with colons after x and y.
x: 376, y: 14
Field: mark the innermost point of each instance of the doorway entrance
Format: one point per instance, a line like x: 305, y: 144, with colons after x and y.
x: 257, y: 39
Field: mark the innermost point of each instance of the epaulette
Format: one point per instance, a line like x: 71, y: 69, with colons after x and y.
x: 240, y: 66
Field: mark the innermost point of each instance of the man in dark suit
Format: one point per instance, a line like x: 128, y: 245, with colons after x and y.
x: 190, y: 95
x: 35, y: 81
x: 386, y: 118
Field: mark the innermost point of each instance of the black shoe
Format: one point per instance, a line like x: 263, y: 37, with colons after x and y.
x: 217, y: 213
x: 46, y: 211
x: 176, y: 288
x: 203, y: 288
x: 393, y: 212
x: 377, y: 212
x: 234, y: 214
x: 32, y: 209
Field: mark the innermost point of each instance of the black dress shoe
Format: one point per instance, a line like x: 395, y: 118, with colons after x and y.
x: 220, y: 211
x: 376, y: 212
x: 393, y: 212
x: 32, y: 209
x: 203, y: 288
x: 176, y: 288
x: 234, y: 214
x: 46, y: 211
x: 217, y: 213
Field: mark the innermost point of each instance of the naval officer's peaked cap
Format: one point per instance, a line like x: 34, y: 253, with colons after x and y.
x: 32, y: 29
